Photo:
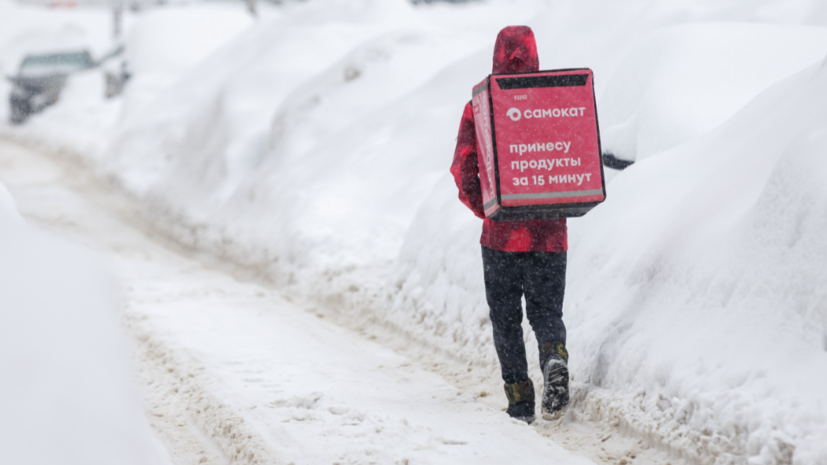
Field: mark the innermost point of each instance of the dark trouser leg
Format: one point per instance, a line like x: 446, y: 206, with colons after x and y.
x: 545, y: 286
x: 504, y: 291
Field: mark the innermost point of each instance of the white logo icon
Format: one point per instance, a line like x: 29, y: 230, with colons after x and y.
x: 514, y: 114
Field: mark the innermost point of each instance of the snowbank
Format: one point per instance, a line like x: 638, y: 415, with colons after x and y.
x: 697, y: 288
x: 68, y: 395
x: 315, y: 117
x: 683, y: 81
x: 314, y: 144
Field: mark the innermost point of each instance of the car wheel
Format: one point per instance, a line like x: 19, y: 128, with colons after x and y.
x: 19, y: 111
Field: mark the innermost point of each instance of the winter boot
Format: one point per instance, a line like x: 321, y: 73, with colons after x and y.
x: 555, y: 379
x: 520, y: 400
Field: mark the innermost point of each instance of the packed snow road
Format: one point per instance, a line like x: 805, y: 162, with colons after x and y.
x: 235, y: 373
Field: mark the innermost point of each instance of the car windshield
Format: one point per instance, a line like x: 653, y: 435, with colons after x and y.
x: 58, y: 63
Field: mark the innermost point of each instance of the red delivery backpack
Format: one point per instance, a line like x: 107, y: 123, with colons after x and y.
x: 538, y: 144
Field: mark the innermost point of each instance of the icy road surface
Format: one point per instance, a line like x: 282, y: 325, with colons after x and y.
x: 235, y: 373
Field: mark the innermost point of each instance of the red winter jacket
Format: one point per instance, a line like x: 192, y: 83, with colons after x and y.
x: 514, y: 52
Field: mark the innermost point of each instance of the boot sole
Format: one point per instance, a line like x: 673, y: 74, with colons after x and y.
x: 555, y: 390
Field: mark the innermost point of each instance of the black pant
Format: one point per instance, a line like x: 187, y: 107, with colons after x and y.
x: 541, y: 276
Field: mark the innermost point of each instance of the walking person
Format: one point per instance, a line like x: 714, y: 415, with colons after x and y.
x: 524, y: 258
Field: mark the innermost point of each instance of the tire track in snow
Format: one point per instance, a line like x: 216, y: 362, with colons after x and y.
x: 599, y: 441
x: 178, y: 399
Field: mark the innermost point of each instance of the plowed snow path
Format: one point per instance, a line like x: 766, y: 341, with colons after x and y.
x: 234, y: 373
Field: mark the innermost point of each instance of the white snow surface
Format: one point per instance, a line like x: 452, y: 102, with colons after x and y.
x: 234, y: 373
x: 314, y: 143
x: 698, y: 286
x: 68, y: 395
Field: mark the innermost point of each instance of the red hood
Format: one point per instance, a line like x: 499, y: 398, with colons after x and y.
x: 515, y: 51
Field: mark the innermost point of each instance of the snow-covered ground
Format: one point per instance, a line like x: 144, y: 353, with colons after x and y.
x: 312, y: 145
x: 232, y: 371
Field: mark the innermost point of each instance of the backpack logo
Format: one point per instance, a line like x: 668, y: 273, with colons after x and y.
x: 514, y: 114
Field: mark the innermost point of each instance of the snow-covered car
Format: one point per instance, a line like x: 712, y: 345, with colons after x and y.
x: 41, y: 78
